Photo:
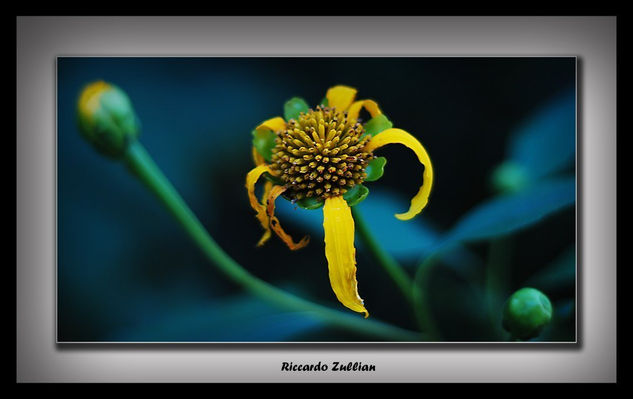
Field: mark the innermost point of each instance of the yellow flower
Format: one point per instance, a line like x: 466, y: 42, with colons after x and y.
x: 319, y: 158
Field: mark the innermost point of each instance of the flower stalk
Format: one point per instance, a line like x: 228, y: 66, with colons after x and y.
x: 386, y: 261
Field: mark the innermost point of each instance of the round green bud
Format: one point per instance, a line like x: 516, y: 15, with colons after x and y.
x: 526, y: 312
x: 106, y: 118
x: 509, y: 177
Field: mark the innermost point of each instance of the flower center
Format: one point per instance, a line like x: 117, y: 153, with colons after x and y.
x: 321, y: 154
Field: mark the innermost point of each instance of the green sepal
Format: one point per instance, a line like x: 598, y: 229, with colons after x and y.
x: 375, y: 168
x: 311, y: 203
x: 294, y: 107
x: 273, y: 179
x: 324, y: 102
x: 376, y: 125
x: 356, y: 195
x: 264, y: 142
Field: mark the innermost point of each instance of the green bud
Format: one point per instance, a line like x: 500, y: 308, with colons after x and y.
x: 509, y: 177
x: 106, y: 118
x: 526, y: 312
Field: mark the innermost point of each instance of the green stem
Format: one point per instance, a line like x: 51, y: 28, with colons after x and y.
x: 143, y: 167
x: 389, y: 264
x: 497, y: 276
x: 423, y: 310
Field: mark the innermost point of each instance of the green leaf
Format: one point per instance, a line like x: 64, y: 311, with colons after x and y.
x: 356, y: 194
x: 377, y: 124
x: 324, y: 102
x: 264, y: 142
x: 311, y: 203
x: 375, y: 168
x: 294, y: 107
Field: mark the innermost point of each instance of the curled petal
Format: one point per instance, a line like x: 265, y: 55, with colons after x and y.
x: 370, y: 105
x: 275, y: 192
x: 399, y: 136
x: 258, y: 158
x: 275, y: 124
x: 341, y: 254
x: 340, y: 97
x: 266, y: 236
x: 262, y: 216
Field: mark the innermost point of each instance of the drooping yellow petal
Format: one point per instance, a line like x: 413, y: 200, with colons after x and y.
x: 275, y: 124
x: 262, y: 216
x: 340, y: 97
x: 399, y: 136
x: 266, y: 236
x: 258, y: 158
x: 340, y: 252
x: 274, y: 222
x: 370, y: 105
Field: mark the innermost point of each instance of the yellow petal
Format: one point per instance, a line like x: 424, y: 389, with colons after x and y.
x: 274, y: 222
x: 266, y: 236
x: 399, y: 136
x: 340, y: 252
x: 89, y: 101
x: 275, y: 124
x: 262, y: 216
x: 340, y: 97
x: 258, y: 158
x: 370, y: 105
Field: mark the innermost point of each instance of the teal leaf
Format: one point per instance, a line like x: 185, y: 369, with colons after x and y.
x: 294, y: 107
x: 311, y: 203
x: 264, y: 142
x: 377, y: 124
x: 375, y: 168
x: 509, y: 213
x: 356, y: 194
x: 545, y: 143
x: 238, y: 319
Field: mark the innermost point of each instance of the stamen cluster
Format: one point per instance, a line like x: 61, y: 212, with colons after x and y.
x: 321, y: 154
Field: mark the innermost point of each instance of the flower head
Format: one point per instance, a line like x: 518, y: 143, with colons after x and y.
x: 106, y: 118
x: 319, y: 158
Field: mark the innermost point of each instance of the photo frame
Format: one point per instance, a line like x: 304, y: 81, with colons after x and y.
x: 394, y: 363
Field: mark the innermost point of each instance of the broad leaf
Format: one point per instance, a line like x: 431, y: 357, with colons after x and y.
x: 241, y: 319
x: 509, y: 213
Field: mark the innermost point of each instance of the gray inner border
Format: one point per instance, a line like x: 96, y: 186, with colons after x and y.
x: 41, y: 39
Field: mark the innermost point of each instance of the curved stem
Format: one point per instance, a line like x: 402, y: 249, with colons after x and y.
x: 423, y: 309
x: 497, y: 277
x: 389, y: 264
x: 142, y: 166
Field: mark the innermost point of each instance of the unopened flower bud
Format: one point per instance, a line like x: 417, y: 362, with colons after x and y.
x: 106, y: 118
x: 526, y: 312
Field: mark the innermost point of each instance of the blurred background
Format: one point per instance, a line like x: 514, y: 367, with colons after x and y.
x: 500, y: 133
